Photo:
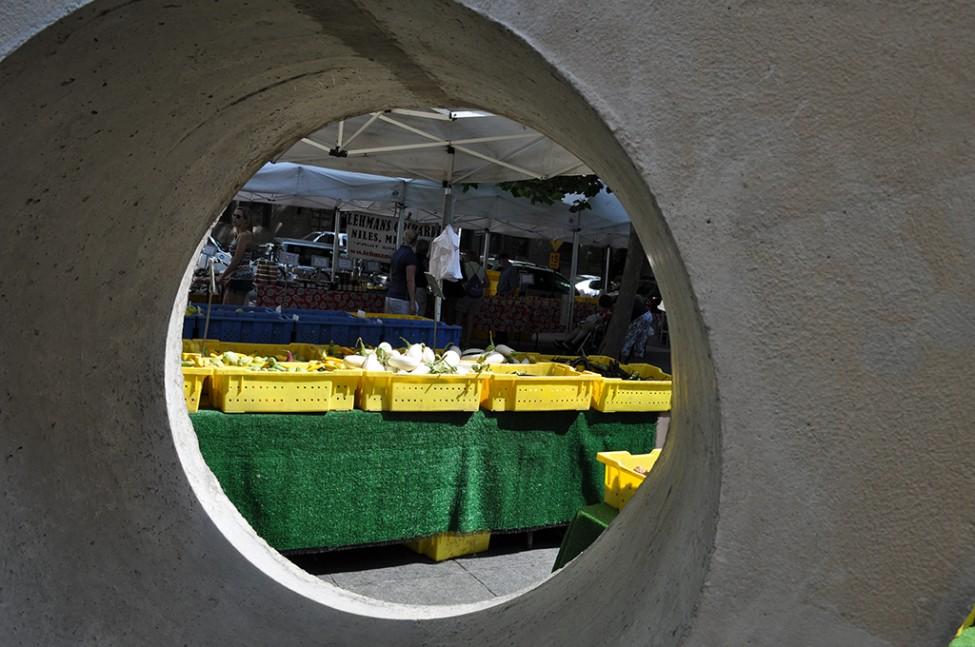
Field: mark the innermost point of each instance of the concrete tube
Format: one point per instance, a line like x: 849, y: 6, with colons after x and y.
x: 811, y: 253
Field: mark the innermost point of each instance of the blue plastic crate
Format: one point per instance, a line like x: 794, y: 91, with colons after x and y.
x: 419, y: 331
x: 189, y: 326
x: 329, y: 327
x: 251, y: 327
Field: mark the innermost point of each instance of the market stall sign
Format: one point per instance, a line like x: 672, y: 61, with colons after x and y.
x: 554, y: 260
x: 374, y: 237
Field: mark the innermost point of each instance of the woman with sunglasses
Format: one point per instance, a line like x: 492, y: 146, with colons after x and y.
x: 238, y: 279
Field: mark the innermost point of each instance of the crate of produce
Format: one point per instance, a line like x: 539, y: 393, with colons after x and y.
x: 298, y: 352
x: 332, y: 327
x: 624, y: 473
x: 577, y: 361
x: 448, y: 545
x: 242, y: 390
x: 545, y: 386
x: 649, y: 390
x: 383, y: 391
x: 194, y: 378
x: 248, y: 326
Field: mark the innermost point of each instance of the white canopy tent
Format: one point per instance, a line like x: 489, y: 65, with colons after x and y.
x: 439, y: 145
x: 451, y: 147
x: 486, y: 208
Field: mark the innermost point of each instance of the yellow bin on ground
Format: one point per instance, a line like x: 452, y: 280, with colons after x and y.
x: 621, y: 480
x: 537, y: 387
x: 241, y: 390
x: 448, y: 545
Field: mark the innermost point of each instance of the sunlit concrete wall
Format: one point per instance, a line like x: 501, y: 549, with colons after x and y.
x: 801, y: 174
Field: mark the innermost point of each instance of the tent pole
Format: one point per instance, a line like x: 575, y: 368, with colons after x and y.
x: 487, y: 236
x: 448, y: 189
x: 609, y: 254
x: 336, y: 248
x: 400, y: 214
x: 574, y: 268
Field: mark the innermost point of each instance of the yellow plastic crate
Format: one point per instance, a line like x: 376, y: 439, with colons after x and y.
x: 451, y: 544
x: 652, y: 393
x: 599, y: 360
x: 300, y: 352
x: 539, y: 387
x: 621, y: 480
x: 193, y: 379
x: 239, y: 390
x: 381, y: 391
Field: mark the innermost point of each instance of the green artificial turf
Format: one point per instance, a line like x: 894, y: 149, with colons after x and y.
x: 311, y: 481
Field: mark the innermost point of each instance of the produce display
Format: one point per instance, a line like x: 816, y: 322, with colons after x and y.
x: 412, y: 377
x: 286, y: 364
x: 420, y: 359
x: 605, y: 366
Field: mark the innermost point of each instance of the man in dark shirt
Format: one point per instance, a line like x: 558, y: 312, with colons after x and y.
x: 401, y: 294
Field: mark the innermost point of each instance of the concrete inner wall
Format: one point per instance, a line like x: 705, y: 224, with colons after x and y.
x: 814, y: 177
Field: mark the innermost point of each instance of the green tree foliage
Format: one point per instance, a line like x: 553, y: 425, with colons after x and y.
x: 553, y: 189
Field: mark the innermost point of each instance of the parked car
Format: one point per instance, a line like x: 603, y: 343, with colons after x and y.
x: 328, y: 238
x: 298, y: 252
x: 588, y: 285
x: 535, y: 279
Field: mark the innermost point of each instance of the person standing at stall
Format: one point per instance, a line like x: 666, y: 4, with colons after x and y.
x: 238, y: 279
x: 422, y: 267
x: 401, y: 295
x: 468, y: 305
x: 509, y: 283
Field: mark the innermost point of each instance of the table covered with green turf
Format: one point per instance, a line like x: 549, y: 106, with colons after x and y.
x: 313, y: 481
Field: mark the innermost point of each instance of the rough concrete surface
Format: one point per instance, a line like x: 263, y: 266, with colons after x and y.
x: 801, y: 173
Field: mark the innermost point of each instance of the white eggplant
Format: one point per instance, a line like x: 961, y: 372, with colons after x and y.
x: 504, y: 350
x: 473, y: 351
x: 355, y: 361
x: 493, y: 358
x: 403, y: 362
x: 422, y: 369
x: 415, y: 352
x: 428, y: 356
x: 451, y: 358
x: 456, y: 349
x: 385, y: 346
x: 463, y: 370
x: 373, y: 364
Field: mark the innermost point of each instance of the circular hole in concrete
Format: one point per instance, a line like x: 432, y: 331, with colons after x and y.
x: 132, y: 120
x: 320, y: 231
